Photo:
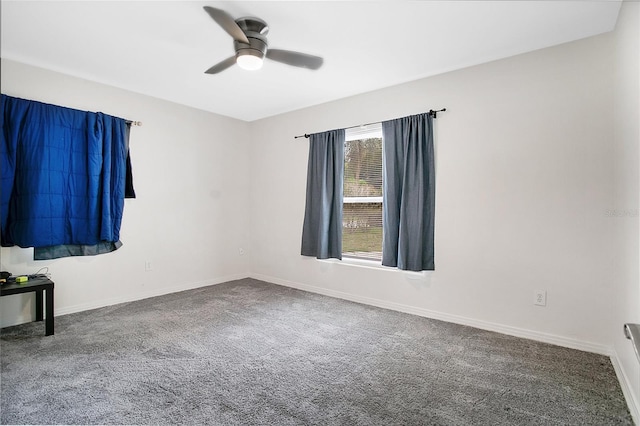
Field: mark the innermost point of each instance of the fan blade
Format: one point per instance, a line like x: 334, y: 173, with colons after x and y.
x: 296, y: 59
x: 221, y: 66
x: 227, y: 23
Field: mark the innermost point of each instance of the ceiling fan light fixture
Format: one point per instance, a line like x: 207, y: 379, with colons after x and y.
x: 249, y: 61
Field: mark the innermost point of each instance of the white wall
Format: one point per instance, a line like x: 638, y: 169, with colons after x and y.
x: 533, y: 155
x: 524, y: 177
x: 627, y: 196
x: 191, y: 176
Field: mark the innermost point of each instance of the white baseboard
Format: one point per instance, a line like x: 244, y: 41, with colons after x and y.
x: 130, y: 297
x: 457, y: 319
x: 627, y: 389
x: 146, y: 294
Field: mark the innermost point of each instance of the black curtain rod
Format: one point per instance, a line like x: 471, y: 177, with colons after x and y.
x: 133, y: 123
x: 433, y: 113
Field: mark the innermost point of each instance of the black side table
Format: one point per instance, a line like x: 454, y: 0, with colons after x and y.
x: 38, y: 285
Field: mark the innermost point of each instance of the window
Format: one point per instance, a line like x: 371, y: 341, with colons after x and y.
x: 408, y: 209
x: 362, y: 203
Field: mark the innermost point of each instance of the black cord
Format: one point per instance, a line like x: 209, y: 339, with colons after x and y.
x: 44, y: 274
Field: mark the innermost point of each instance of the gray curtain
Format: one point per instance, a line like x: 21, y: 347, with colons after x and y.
x: 322, y: 229
x: 409, y: 193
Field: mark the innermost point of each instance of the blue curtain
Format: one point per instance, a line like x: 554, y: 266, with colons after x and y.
x: 408, y: 193
x: 63, y: 175
x: 322, y: 228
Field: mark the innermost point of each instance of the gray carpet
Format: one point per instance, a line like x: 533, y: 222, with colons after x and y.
x: 252, y: 353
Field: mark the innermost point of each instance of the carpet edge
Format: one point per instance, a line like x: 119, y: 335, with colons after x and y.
x: 147, y: 294
x: 627, y: 390
x: 442, y: 316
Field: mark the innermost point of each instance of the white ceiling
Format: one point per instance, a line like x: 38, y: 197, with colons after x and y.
x: 162, y: 48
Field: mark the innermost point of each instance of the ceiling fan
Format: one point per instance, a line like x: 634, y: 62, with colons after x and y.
x: 250, y: 44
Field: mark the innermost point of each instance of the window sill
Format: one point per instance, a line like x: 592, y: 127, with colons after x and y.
x: 359, y: 262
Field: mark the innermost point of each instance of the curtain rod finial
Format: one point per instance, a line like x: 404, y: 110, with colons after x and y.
x: 434, y: 113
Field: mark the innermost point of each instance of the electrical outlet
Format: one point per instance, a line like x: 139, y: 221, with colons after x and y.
x: 148, y: 266
x: 540, y: 297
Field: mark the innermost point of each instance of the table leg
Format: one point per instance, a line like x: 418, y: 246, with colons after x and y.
x: 39, y: 306
x: 49, y: 320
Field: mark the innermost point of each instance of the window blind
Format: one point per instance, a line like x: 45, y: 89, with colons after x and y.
x: 362, y: 203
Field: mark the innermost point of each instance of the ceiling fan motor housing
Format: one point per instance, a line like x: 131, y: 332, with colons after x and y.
x: 255, y: 29
x: 257, y: 46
